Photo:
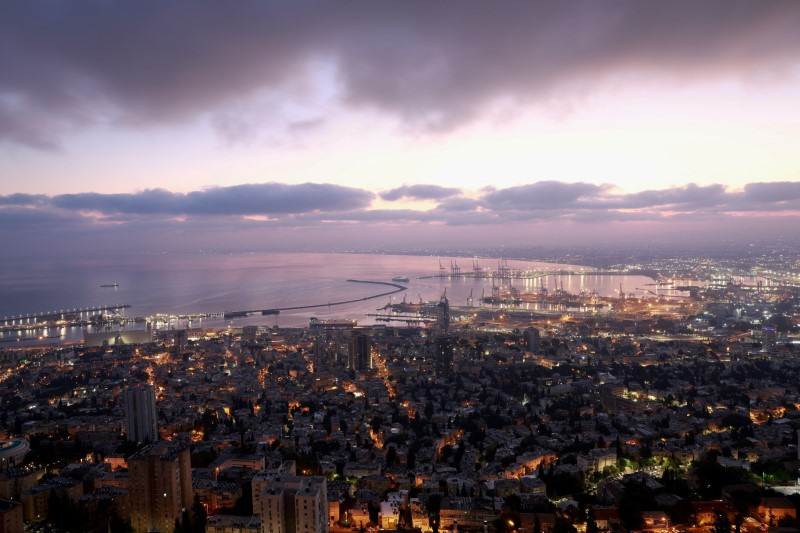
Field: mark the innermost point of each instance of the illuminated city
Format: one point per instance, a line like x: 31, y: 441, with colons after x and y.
x: 626, y: 411
x: 429, y: 267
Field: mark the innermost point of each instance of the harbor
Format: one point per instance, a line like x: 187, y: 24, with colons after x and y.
x: 288, y: 289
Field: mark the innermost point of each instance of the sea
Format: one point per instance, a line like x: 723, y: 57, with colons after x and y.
x: 208, y: 283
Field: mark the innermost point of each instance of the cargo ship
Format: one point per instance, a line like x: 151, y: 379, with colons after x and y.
x: 235, y: 314
x: 333, y: 323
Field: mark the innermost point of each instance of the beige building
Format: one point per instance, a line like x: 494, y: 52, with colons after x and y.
x: 35, y: 501
x: 311, y: 506
x: 291, y: 504
x: 160, y: 486
x: 14, y: 482
x: 11, y: 517
x: 272, y: 511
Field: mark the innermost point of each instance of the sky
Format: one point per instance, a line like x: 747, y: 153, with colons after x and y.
x: 314, y: 124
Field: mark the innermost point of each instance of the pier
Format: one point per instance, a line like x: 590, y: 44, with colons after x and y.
x: 62, y: 314
x: 509, y: 273
x: 276, y: 310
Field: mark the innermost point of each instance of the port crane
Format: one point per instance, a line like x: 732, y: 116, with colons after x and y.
x: 477, y: 271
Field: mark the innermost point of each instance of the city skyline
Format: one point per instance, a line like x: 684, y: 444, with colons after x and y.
x: 311, y: 126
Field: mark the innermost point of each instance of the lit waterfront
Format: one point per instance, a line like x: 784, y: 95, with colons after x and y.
x: 181, y: 284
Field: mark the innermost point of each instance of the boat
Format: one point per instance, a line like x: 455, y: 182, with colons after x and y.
x: 331, y: 323
x: 235, y: 314
x: 404, y: 279
x: 501, y: 300
x: 111, y: 285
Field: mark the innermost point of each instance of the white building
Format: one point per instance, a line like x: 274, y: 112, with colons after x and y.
x: 12, y: 452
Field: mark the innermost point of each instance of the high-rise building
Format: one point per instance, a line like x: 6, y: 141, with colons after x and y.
x: 769, y: 340
x: 160, y: 480
x: 311, y: 506
x: 290, y: 504
x: 443, y: 315
x: 359, y: 356
x: 250, y: 333
x: 140, y: 413
x: 532, y: 339
x: 444, y: 355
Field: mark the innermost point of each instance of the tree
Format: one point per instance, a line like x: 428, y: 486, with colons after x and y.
x: 722, y: 523
x: 60, y: 511
x: 120, y: 525
x: 244, y: 503
x: 434, y: 505
x: 591, y: 522
x: 447, y: 450
x: 513, y: 502
x: 198, y: 516
x: 636, y: 498
x: 391, y: 455
x: 562, y: 525
x: 714, y: 476
x: 738, y: 520
x: 374, y: 510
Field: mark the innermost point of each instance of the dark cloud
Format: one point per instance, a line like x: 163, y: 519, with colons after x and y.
x: 541, y: 195
x: 147, y: 202
x: 420, y: 192
x: 63, y: 64
x: 44, y: 221
x: 22, y: 126
x: 22, y: 200
x: 776, y: 191
x: 690, y: 196
x: 249, y: 199
x: 311, y: 207
x: 277, y: 198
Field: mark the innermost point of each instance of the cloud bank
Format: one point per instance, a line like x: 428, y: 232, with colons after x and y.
x: 66, y: 65
x: 248, y: 199
x: 284, y: 205
x: 326, y: 216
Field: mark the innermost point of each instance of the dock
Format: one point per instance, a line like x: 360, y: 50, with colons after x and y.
x: 61, y: 314
x: 276, y: 310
